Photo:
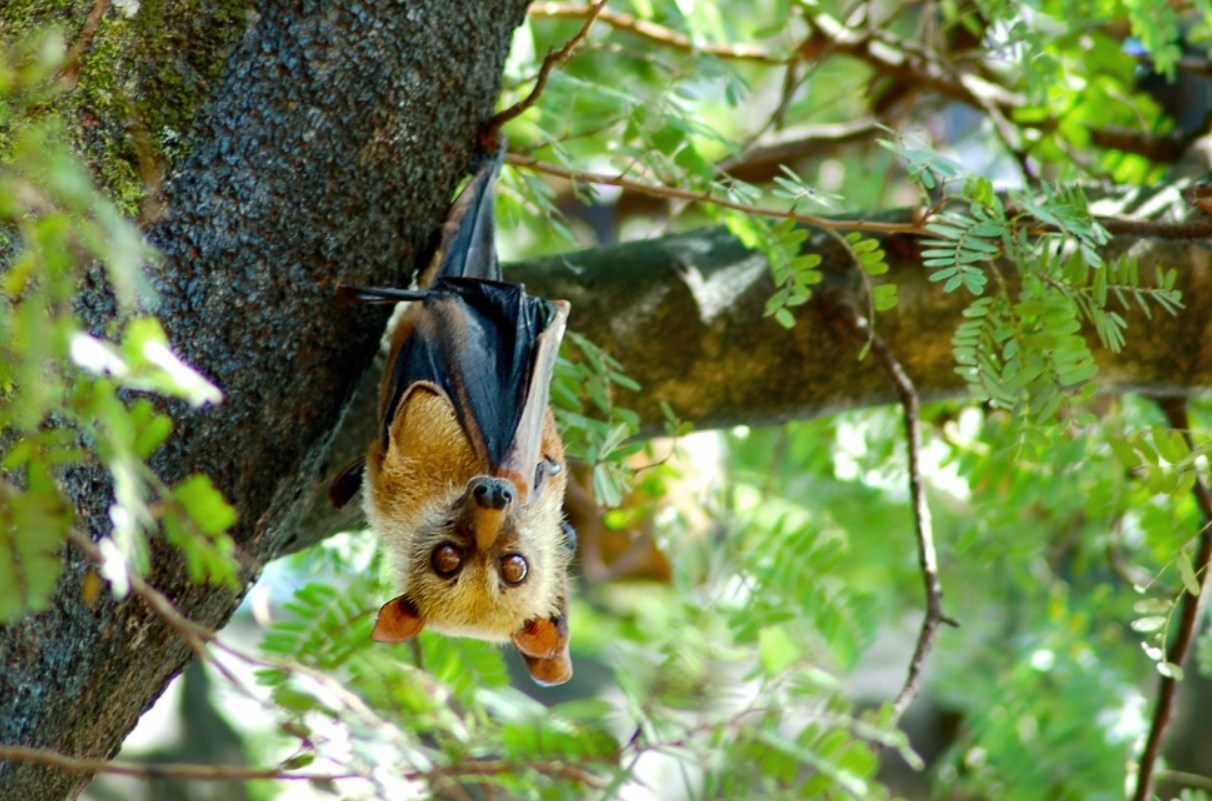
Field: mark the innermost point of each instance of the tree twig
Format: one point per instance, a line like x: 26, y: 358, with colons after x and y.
x: 552, y: 59
x: 924, y: 528
x: 193, y: 771
x: 660, y: 35
x: 201, y: 638
x: 1176, y: 412
x: 763, y: 159
x: 654, y: 190
x: 175, y: 770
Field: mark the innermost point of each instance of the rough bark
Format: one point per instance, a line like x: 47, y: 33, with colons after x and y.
x: 684, y: 314
x: 325, y: 152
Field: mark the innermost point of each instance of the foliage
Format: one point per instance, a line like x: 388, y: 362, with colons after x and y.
x: 71, y: 398
x: 1067, y: 533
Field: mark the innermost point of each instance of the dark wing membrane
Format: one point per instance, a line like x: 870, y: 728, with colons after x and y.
x: 527, y: 449
x: 467, y: 248
x: 478, y: 341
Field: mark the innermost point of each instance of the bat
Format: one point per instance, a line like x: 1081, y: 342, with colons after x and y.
x: 465, y: 482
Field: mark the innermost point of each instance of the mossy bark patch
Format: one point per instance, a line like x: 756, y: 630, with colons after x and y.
x: 135, y: 77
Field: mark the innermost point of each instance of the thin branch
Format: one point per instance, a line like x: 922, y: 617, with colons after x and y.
x: 923, y: 526
x: 660, y: 35
x: 193, y: 771
x: 1185, y: 778
x: 1157, y: 229
x: 199, y: 637
x: 195, y: 634
x: 794, y: 144
x: 491, y: 131
x: 1176, y: 412
x: 706, y: 197
x: 175, y: 770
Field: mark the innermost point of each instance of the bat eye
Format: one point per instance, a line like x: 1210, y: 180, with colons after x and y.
x: 514, y: 569
x: 446, y: 559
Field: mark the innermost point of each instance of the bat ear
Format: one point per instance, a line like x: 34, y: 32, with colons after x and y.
x: 399, y: 621
x: 543, y: 644
x: 347, y: 483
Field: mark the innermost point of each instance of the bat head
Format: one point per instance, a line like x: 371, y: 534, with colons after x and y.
x: 481, y: 553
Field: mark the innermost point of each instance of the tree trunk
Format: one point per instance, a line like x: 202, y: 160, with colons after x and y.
x: 324, y: 152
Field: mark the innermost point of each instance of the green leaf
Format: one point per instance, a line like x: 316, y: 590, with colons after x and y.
x: 1187, y: 573
x: 1170, y: 670
x: 1148, y: 624
x: 205, y: 505
x: 33, y: 528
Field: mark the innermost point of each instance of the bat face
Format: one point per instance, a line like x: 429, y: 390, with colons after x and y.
x: 479, y: 555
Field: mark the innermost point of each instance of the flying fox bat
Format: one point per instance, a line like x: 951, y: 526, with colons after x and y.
x: 465, y: 482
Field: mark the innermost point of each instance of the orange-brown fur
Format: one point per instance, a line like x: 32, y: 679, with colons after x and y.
x: 413, y: 501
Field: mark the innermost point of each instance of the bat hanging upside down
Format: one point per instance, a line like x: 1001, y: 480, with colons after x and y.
x: 466, y: 480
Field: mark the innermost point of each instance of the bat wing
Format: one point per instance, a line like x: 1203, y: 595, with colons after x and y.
x: 486, y: 344
x: 490, y: 348
x: 467, y: 248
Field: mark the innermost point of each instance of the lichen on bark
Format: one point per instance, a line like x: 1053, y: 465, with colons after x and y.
x: 135, y: 75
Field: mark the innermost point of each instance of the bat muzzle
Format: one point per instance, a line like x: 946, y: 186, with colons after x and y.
x: 491, y: 493
x: 488, y: 502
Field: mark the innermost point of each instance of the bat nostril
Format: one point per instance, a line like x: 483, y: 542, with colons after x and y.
x: 492, y: 493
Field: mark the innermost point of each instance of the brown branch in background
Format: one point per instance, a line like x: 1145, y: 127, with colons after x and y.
x: 223, y: 773
x: 1166, y: 148
x: 762, y: 162
x: 902, y: 61
x: 653, y: 190
x: 1187, y: 779
x: 174, y: 770
x: 1157, y: 229
x: 1189, y: 614
x: 923, y: 526
x: 492, y: 130
x: 659, y: 34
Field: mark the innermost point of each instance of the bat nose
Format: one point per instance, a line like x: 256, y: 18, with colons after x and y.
x: 492, y: 493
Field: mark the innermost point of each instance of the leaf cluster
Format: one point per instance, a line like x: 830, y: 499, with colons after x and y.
x: 72, y: 399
